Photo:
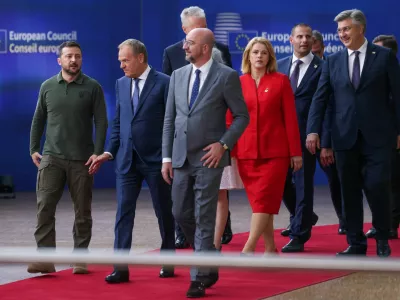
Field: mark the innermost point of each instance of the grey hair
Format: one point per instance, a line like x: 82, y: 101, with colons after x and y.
x: 192, y: 11
x: 137, y: 47
x: 217, y: 55
x: 318, y: 36
x: 356, y: 15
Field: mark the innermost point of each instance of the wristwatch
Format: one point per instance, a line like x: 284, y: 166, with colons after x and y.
x: 224, y: 145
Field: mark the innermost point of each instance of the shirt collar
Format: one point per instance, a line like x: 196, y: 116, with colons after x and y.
x: 204, y: 69
x: 362, y: 49
x: 78, y: 79
x: 145, y: 74
x: 306, y: 59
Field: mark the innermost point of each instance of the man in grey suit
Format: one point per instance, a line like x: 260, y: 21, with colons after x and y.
x: 196, y: 144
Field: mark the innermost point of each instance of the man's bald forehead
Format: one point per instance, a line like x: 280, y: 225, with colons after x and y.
x: 204, y: 35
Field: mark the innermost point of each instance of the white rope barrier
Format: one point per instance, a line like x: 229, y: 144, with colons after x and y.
x: 103, y: 257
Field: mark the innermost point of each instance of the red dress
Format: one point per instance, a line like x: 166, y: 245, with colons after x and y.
x: 272, y: 137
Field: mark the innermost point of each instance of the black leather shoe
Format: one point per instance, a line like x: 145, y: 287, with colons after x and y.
x: 180, y: 243
x: 293, y: 246
x: 383, y: 248
x: 227, y: 236
x: 342, y: 230
x: 393, y: 235
x: 167, y: 272
x: 371, y: 234
x: 118, y: 277
x: 196, y: 290
x: 354, y: 250
x: 314, y: 218
x: 286, y: 232
x: 211, y: 279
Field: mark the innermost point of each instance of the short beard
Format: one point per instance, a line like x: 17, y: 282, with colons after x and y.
x: 71, y: 72
x: 190, y: 59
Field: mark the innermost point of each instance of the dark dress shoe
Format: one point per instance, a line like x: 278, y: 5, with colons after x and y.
x: 371, y: 234
x: 211, y: 279
x: 180, y: 243
x: 342, y: 230
x: 354, y: 250
x: 383, y: 248
x: 293, y: 246
x: 393, y: 235
x: 167, y: 272
x: 314, y: 218
x: 196, y: 290
x: 118, y: 277
x: 227, y: 236
x: 286, y: 232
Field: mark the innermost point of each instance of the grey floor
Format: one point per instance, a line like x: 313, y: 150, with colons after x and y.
x: 18, y: 217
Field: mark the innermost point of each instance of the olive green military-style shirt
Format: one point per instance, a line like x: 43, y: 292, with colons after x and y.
x: 68, y: 111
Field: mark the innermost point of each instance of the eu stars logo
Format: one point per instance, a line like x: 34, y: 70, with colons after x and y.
x: 238, y: 40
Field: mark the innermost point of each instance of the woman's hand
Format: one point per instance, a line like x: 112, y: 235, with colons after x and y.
x: 296, y: 162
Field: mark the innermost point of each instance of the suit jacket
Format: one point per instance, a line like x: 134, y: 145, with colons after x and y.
x: 304, y: 93
x: 368, y: 108
x: 187, y: 132
x: 141, y: 132
x: 174, y: 57
x: 273, y: 130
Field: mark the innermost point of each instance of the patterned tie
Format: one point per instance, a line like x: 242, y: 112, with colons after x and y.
x: 355, y: 78
x: 195, y: 89
x: 135, y: 97
x: 294, y: 79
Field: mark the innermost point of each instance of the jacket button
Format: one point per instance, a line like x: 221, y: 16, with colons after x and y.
x: 185, y: 132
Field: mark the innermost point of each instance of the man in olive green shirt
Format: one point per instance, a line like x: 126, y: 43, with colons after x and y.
x: 68, y: 105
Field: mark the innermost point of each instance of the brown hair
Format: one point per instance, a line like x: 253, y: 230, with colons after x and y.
x: 271, y: 65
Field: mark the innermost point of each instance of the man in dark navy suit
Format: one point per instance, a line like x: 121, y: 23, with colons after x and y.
x: 173, y: 59
x: 304, y: 70
x: 365, y: 113
x: 389, y: 41
x: 135, y: 143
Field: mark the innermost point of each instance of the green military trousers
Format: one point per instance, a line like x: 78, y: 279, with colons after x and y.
x: 52, y: 176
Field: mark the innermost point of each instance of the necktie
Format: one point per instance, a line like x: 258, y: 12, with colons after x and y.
x: 355, y: 78
x: 294, y: 79
x: 135, y: 97
x: 195, y: 89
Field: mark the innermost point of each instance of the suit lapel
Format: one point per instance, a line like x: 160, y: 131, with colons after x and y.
x: 211, y: 77
x: 125, y: 93
x: 314, y: 65
x: 369, y: 59
x: 345, y: 66
x: 185, y: 86
x: 287, y: 65
x: 148, y: 86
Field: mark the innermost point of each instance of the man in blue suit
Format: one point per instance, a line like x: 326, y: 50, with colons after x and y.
x: 304, y: 69
x: 135, y: 143
x: 174, y: 58
x: 365, y: 114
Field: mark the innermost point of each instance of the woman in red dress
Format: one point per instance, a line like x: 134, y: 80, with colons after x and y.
x: 271, y: 142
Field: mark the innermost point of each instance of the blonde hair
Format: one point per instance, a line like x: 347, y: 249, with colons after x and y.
x: 271, y: 65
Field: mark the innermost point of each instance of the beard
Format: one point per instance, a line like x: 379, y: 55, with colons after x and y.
x: 190, y: 58
x: 71, y: 72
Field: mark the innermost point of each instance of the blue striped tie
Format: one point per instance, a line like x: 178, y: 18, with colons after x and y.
x: 135, y: 97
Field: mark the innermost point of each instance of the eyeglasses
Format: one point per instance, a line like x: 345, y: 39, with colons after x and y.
x: 344, y: 29
x: 188, y: 42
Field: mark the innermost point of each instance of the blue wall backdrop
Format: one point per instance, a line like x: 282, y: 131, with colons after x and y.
x: 101, y: 25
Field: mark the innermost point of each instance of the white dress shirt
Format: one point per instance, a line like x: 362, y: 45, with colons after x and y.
x: 142, y: 81
x: 361, y: 56
x: 204, y: 70
x: 303, y: 67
